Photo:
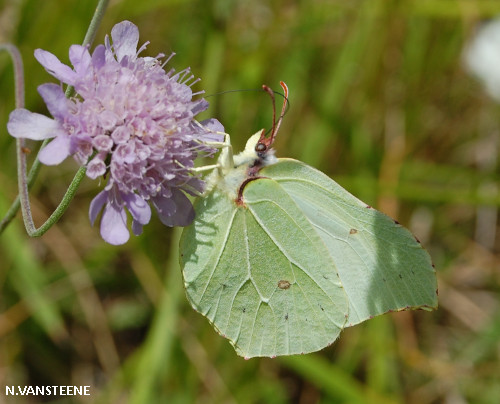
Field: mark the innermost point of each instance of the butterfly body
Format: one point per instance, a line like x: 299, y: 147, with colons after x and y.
x: 233, y: 171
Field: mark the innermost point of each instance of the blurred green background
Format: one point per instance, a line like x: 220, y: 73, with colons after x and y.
x: 379, y: 100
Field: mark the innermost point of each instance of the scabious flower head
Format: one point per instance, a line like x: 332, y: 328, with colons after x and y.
x: 130, y: 122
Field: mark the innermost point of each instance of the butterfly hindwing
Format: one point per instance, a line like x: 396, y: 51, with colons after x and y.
x: 260, y: 273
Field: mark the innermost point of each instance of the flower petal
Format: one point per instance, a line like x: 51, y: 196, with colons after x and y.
x: 114, y: 225
x: 184, y: 214
x: 181, y: 215
x: 95, y: 168
x: 54, y: 66
x: 56, y: 151
x: 121, y: 134
x: 194, y: 186
x: 56, y: 101
x: 136, y: 228
x: 125, y: 37
x: 96, y: 205
x: 200, y: 106
x: 108, y: 119
x: 213, y: 125
x: 99, y: 56
x: 215, y: 131
x: 80, y: 59
x: 30, y: 125
x: 138, y: 208
x: 102, y: 143
x: 165, y: 207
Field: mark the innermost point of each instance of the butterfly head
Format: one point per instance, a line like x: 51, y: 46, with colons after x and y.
x: 255, y: 153
x: 258, y: 150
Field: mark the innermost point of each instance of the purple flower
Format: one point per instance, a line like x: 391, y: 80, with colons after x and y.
x: 135, y: 119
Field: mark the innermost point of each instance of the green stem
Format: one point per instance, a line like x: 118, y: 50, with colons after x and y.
x: 95, y: 22
x: 25, y: 182
x: 17, y: 61
x: 58, y: 212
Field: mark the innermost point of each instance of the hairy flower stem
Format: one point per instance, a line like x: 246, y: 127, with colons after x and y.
x: 25, y: 181
x: 17, y: 62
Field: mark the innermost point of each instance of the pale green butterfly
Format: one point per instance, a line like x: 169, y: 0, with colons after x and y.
x: 280, y: 258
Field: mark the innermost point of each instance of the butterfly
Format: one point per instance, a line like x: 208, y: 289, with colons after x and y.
x: 280, y: 258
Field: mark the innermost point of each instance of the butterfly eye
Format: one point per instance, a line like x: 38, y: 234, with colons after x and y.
x: 260, y: 147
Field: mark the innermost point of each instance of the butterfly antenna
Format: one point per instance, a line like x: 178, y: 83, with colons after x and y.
x: 276, y: 127
x: 269, y: 141
x: 276, y: 124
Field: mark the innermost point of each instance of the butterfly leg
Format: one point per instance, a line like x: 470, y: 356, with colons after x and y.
x: 225, y: 158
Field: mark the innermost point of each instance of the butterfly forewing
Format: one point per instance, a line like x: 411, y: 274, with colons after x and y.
x: 381, y: 265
